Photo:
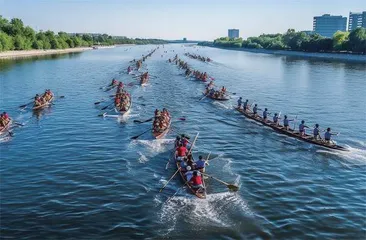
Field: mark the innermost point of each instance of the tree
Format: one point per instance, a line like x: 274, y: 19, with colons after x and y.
x: 357, y: 40
x: 6, y: 42
x: 339, y: 40
x: 19, y: 42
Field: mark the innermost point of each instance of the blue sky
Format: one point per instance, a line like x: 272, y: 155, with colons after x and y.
x: 174, y: 19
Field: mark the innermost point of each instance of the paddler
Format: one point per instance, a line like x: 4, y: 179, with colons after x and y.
x: 37, y: 101
x: 275, y: 119
x: 316, y: 132
x: 245, y: 105
x: 181, y: 152
x: 265, y: 114
x: 302, y: 127
x: 240, y: 101
x: 286, y: 122
x: 255, y: 110
x: 200, y: 164
x: 129, y: 69
x: 2, y: 122
x: 328, y: 135
x: 196, y: 181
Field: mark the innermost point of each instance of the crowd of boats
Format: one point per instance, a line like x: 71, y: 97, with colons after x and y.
x: 192, y: 172
x: 198, y: 57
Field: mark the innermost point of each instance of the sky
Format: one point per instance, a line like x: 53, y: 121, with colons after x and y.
x: 174, y: 19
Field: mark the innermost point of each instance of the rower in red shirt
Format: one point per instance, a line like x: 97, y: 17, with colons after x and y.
x: 181, y: 152
x: 196, y: 181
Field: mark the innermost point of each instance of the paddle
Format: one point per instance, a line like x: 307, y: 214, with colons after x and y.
x: 204, y: 96
x: 231, y: 187
x: 19, y: 124
x: 208, y: 157
x: 96, y: 103
x: 135, y: 137
x: 148, y: 120
x: 194, y: 141
x: 169, y: 180
x: 23, y: 106
x: 295, y: 123
x: 107, y: 106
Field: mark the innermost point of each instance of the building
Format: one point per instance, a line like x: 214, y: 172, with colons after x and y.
x: 233, y: 33
x: 356, y: 19
x: 327, y: 25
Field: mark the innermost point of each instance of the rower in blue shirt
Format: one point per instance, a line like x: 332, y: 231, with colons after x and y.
x: 328, y: 135
x: 302, y: 127
x: 316, y: 132
x: 200, y: 164
x: 265, y: 114
x: 255, y: 110
x: 275, y: 119
x: 240, y: 102
x: 286, y: 122
x: 245, y: 105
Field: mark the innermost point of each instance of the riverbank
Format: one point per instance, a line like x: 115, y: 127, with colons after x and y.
x: 327, y: 56
x: 32, y: 53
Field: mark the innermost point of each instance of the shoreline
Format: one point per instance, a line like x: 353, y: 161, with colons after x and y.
x: 324, y: 56
x: 41, y: 52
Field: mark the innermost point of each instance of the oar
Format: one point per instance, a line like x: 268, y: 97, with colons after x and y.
x: 204, y: 96
x: 148, y: 120
x: 208, y: 157
x: 194, y: 141
x: 135, y: 137
x: 99, y: 102
x: 169, y: 180
x: 23, y: 106
x: 295, y: 123
x: 107, y: 106
x: 231, y: 187
x: 19, y: 124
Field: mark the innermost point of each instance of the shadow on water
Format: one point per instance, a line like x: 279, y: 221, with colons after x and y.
x: 7, y: 64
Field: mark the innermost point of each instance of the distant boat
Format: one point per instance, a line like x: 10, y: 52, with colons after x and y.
x: 95, y: 48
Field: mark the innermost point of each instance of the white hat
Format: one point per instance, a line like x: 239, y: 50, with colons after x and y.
x: 188, y: 168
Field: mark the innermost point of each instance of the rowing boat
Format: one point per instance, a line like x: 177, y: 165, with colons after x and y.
x: 143, y: 81
x: 5, y: 128
x: 200, y: 192
x: 291, y: 133
x: 126, y: 110
x: 44, y: 105
x: 161, y: 134
x: 220, y: 98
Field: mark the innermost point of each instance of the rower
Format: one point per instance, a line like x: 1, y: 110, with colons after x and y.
x: 245, y: 105
x: 328, y: 135
x: 190, y: 161
x: 196, y: 180
x: 177, y: 142
x: 37, y: 100
x: 240, y: 101
x: 255, y: 110
x: 302, y: 127
x: 200, y: 164
x: 2, y: 122
x: 180, y: 152
x: 275, y: 119
x: 223, y: 90
x: 286, y: 122
x: 316, y: 132
x: 265, y: 114
x: 189, y: 173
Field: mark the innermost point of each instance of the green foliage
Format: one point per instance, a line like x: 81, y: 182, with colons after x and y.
x: 354, y: 41
x: 15, y: 36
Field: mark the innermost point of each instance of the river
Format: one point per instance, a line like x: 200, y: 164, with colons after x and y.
x: 68, y: 173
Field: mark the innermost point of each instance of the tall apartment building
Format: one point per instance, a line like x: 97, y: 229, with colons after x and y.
x: 233, y: 33
x: 326, y: 25
x: 356, y: 19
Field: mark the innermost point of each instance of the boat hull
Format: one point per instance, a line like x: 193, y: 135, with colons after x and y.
x: 199, y: 194
x: 280, y: 129
x: 43, y: 106
x: 159, y: 135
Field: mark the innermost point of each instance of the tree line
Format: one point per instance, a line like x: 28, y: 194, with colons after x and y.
x: 15, y: 36
x: 354, y: 41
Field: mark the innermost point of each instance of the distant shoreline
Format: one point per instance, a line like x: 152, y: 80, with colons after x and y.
x: 41, y: 52
x: 327, y: 56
